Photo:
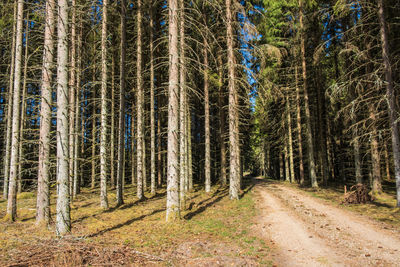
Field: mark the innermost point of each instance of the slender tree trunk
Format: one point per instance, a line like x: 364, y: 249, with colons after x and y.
x: 152, y: 119
x: 387, y: 162
x: 207, y: 165
x: 9, y: 108
x: 12, y: 188
x: 285, y: 151
x: 43, y: 194
x: 112, y: 134
x: 63, y: 222
x: 182, y: 109
x: 121, y: 122
x: 173, y: 212
x: 77, y: 177
x: 159, y: 145
x: 23, y: 107
x: 189, y: 146
x: 357, y: 160
x: 290, y: 139
x: 72, y: 92
x: 234, y: 169
x: 391, y: 98
x: 375, y: 157
x: 299, y: 134
x: 104, y: 111
x: 140, y: 105
x: 221, y: 104
x: 94, y: 120
x: 310, y: 144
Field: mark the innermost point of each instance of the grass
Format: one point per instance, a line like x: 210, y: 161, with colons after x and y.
x: 213, y: 226
x: 382, y: 208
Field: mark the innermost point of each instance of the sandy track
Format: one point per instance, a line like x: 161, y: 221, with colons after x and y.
x: 307, y: 231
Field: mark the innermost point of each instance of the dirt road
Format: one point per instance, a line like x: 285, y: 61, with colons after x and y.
x: 306, y: 231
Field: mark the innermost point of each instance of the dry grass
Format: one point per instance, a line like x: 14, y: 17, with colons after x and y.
x: 212, y: 229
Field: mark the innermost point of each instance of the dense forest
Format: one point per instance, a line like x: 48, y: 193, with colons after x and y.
x: 192, y: 95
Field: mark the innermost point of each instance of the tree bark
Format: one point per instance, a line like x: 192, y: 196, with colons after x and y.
x: 391, y: 98
x: 173, y: 211
x: 152, y: 119
x: 310, y: 144
x: 182, y: 110
x: 43, y: 194
x: 299, y: 132
x: 9, y: 108
x: 207, y: 165
x: 140, y: 105
x: 23, y: 107
x: 104, y: 111
x: 234, y: 169
x: 221, y: 104
x: 375, y: 157
x: 290, y: 139
x: 63, y: 221
x: 12, y: 187
x: 121, y: 122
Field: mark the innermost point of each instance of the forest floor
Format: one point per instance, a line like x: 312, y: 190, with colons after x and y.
x: 214, y: 231
x: 312, y: 228
x: 273, y: 224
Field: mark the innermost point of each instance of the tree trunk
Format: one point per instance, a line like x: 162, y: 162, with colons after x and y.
x: 391, y: 98
x: 12, y: 188
x: 375, y: 157
x: 299, y: 134
x: 207, y: 165
x: 104, y: 112
x: 112, y: 131
x: 290, y: 139
x: 140, y: 105
x: 234, y: 169
x: 189, y: 146
x: 182, y: 110
x: 23, y: 107
x: 77, y: 178
x: 94, y: 121
x: 63, y: 222
x: 152, y: 119
x: 121, y: 122
x: 9, y: 108
x: 173, y: 212
x: 310, y: 144
x: 387, y: 162
x: 43, y: 194
x: 221, y: 104
x: 357, y: 160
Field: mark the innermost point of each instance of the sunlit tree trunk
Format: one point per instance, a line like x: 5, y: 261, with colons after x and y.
x: 391, y: 98
x: 77, y: 178
x: 121, y: 122
x: 43, y: 194
x: 357, y: 160
x: 112, y: 131
x: 189, y: 146
x: 173, y: 212
x: 72, y: 93
x: 104, y: 111
x: 299, y: 131
x: 12, y: 187
x: 310, y: 144
x: 234, y: 169
x: 182, y: 110
x: 152, y: 119
x: 290, y: 139
x: 94, y: 120
x: 139, y: 105
x: 63, y: 221
x: 221, y: 104
x: 9, y: 109
x: 23, y: 107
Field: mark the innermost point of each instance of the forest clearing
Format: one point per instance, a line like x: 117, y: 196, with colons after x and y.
x: 200, y: 133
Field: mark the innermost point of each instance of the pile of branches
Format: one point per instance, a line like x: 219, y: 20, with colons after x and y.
x: 67, y: 253
x: 358, y: 194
